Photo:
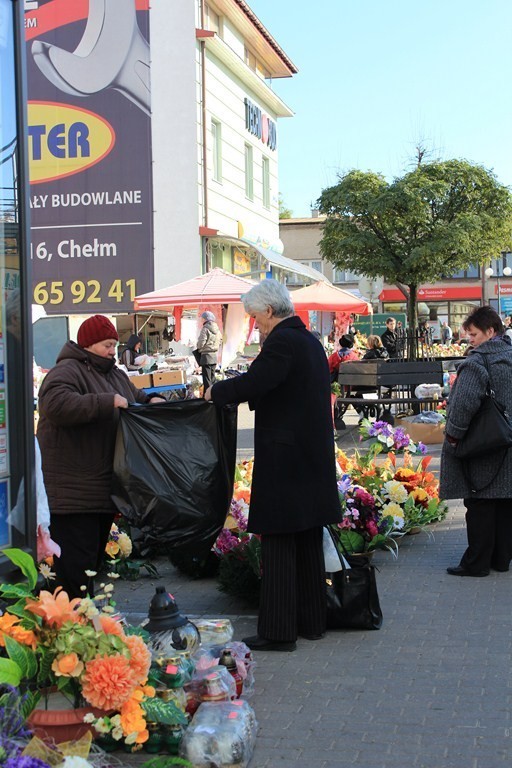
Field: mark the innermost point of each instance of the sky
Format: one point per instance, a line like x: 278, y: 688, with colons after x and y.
x: 378, y: 77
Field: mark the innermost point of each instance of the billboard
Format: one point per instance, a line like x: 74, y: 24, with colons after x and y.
x: 89, y: 136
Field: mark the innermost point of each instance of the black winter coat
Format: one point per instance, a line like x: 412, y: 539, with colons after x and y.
x: 77, y: 429
x: 294, y: 478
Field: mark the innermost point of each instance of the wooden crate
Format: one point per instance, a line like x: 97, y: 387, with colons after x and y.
x: 165, y: 378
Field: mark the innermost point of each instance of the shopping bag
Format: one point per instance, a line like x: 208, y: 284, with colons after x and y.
x: 352, y: 597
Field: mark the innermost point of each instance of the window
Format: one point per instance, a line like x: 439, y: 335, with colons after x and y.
x: 472, y: 271
x: 265, y: 181
x: 217, y: 150
x: 344, y: 276
x: 249, y: 172
x: 212, y: 20
x: 256, y: 65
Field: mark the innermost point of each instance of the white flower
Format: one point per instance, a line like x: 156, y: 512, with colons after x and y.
x: 130, y: 739
x: 46, y: 571
x: 108, y: 609
x: 113, y: 575
x: 73, y: 761
x: 89, y: 718
x: 91, y: 574
x: 117, y: 733
x: 101, y: 726
x: 395, y: 491
x: 109, y: 588
x: 398, y: 522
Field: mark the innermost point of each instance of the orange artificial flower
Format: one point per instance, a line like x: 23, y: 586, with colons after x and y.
x: 342, y: 460
x: 112, y: 548
x: 133, y: 720
x: 240, y: 492
x: 111, y: 626
x: 68, y: 665
x: 425, y: 462
x: 108, y: 681
x: 140, y: 657
x: 392, y: 458
x: 9, y: 625
x: 54, y: 608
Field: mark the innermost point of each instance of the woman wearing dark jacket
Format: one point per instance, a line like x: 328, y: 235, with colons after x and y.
x: 485, y: 483
x: 79, y: 403
x: 130, y: 353
x: 294, y: 492
x: 376, y: 350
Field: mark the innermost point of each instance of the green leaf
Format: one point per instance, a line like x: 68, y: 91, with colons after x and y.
x: 12, y: 591
x: 165, y: 712
x: 10, y: 673
x: 45, y: 666
x: 351, y: 540
x: 29, y: 703
x: 25, y: 563
x: 24, y: 657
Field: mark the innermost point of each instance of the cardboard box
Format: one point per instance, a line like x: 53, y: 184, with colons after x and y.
x: 430, y: 434
x: 144, y: 380
x: 163, y: 379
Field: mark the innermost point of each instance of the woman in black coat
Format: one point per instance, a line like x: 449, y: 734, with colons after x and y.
x: 294, y: 492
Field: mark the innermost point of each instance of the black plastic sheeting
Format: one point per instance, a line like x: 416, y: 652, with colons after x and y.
x: 174, y: 470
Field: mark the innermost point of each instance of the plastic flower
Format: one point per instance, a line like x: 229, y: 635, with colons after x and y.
x: 140, y: 657
x: 395, y: 491
x: 9, y: 625
x: 133, y: 722
x: 46, y: 571
x: 56, y: 608
x: 396, y: 512
x: 125, y: 544
x: 67, y: 665
x: 111, y: 626
x: 112, y: 548
x: 25, y: 761
x: 108, y: 681
x: 420, y: 496
x: 75, y: 761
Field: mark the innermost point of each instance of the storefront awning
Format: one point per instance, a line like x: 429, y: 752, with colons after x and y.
x: 275, y: 259
x: 435, y: 293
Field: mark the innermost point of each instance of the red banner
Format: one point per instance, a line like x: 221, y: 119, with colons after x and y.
x: 435, y: 293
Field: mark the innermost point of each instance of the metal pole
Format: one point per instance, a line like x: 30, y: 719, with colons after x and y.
x: 499, y: 295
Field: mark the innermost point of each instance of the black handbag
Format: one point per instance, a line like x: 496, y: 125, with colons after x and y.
x: 352, y: 597
x: 490, y: 429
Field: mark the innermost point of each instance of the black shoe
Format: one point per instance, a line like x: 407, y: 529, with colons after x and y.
x: 459, y: 570
x: 312, y: 637
x: 257, y: 643
x: 500, y: 570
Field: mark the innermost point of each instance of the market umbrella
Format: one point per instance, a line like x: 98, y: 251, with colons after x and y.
x: 324, y: 298
x: 215, y: 287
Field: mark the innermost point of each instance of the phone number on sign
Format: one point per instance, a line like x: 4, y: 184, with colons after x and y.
x: 88, y: 291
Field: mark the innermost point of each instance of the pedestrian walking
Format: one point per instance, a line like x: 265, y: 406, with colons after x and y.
x: 294, y: 492
x: 484, y: 483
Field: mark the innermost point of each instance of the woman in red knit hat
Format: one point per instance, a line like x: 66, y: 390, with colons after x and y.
x: 78, y: 406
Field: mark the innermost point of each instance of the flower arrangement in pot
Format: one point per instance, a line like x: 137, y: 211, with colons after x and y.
x: 76, y: 650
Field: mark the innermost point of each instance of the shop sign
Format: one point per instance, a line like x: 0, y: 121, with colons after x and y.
x: 435, y: 293
x: 260, y: 124
x: 89, y: 139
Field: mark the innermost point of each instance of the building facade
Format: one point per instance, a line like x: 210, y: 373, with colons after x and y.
x: 215, y: 141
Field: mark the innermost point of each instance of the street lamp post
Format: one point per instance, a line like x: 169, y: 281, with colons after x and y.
x: 489, y: 272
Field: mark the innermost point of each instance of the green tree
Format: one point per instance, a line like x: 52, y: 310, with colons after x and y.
x: 284, y: 212
x: 437, y: 219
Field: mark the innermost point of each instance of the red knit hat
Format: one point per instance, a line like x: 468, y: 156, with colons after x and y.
x: 94, y: 329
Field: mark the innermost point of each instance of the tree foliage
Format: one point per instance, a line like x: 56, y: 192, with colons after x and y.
x: 435, y: 220
x: 284, y: 212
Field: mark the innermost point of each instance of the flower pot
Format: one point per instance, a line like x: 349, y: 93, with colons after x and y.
x: 368, y: 555
x: 414, y: 530
x: 60, y: 721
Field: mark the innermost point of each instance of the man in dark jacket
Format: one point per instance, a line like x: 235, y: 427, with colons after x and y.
x: 294, y: 492
x: 389, y: 337
x: 78, y: 405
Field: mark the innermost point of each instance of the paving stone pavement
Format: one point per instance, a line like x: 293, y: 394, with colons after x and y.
x: 431, y: 689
